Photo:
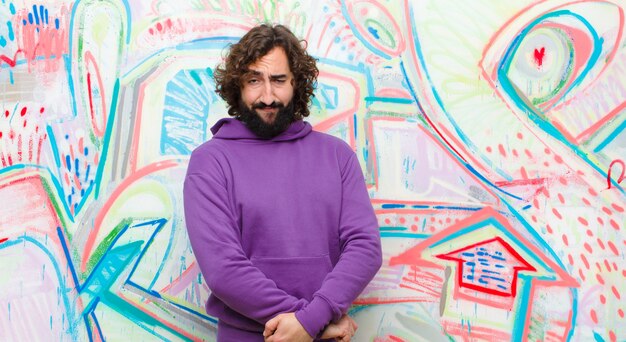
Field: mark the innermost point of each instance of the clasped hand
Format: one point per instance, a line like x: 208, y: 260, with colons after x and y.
x: 286, y: 328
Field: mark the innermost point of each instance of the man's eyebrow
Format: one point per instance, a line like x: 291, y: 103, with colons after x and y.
x: 275, y: 77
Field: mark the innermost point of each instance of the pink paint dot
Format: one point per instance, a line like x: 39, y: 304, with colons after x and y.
x: 534, y: 218
x: 159, y: 27
x: 583, y: 221
x: 432, y: 228
x: 488, y: 148
x: 613, y: 248
x: 600, y: 220
x: 520, y: 136
x: 614, y: 224
x: 549, y: 229
x: 501, y: 149
x: 588, y: 248
x: 151, y: 31
x: 514, y: 151
x: 564, y: 237
x: 546, y: 164
x: 558, y: 159
x: 620, y: 312
x: 547, y: 150
x: 387, y: 221
x: 612, y: 336
x: 584, y: 259
x: 41, y: 110
x: 600, y: 280
x: 593, y: 192
x: 413, y: 227
x: 615, y: 292
x: 563, y: 180
x: 416, y: 218
x: 589, y: 232
x: 600, y: 243
x: 6, y: 113
x: 23, y: 111
x: 586, y: 201
x: 607, y: 210
x: 617, y: 207
x: 593, y: 315
x: 561, y: 198
x: 530, y: 155
x: 557, y: 214
x: 570, y: 259
x: 602, y: 299
x: 402, y: 220
x: 581, y: 274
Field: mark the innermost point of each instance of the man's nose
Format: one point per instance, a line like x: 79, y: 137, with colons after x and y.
x: 267, y: 95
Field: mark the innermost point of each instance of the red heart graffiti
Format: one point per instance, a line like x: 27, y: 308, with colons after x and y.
x: 539, y: 54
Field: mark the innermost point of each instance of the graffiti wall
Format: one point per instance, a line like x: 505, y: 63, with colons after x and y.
x: 491, y: 134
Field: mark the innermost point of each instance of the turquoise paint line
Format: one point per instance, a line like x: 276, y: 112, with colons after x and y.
x: 388, y: 100
x: 611, y: 137
x: 404, y: 235
x: 107, y: 136
x: 388, y: 229
x: 12, y: 168
x: 517, y: 334
x: 10, y: 30
x: 70, y: 79
x: 53, y: 145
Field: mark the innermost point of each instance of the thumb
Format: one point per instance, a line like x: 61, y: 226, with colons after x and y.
x: 270, y: 327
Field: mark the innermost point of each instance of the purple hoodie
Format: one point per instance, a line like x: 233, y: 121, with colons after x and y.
x: 279, y: 225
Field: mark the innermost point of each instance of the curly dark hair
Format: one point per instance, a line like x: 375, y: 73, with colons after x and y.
x: 256, y: 44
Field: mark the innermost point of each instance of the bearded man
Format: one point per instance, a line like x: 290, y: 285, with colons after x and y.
x: 278, y: 215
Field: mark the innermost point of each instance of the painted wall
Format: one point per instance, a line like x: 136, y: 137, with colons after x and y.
x: 491, y: 134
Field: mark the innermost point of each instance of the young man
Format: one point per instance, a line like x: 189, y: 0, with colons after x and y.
x: 278, y: 215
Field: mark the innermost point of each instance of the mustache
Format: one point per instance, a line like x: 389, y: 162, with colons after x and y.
x: 260, y: 105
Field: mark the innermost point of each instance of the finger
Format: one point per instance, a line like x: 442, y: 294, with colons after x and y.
x: 270, y: 327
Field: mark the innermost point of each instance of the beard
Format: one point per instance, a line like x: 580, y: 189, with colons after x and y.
x: 264, y: 130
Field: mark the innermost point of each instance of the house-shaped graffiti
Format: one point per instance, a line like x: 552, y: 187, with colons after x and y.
x: 489, y: 266
x: 493, y: 271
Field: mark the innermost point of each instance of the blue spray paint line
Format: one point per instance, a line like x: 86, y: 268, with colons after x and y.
x: 70, y: 264
x: 36, y: 14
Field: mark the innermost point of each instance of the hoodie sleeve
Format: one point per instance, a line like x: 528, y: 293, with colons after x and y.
x: 360, y: 258
x: 215, y: 240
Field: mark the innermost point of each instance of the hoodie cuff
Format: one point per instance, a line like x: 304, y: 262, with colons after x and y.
x: 315, y: 316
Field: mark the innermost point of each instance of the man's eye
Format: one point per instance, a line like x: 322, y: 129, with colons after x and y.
x: 253, y: 81
x: 280, y: 81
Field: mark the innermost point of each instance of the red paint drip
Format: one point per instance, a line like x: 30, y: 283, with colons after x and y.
x: 3, y: 240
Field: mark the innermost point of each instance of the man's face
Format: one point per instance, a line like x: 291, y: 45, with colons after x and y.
x: 268, y: 85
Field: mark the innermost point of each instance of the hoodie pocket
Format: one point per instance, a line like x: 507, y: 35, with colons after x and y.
x: 300, y: 277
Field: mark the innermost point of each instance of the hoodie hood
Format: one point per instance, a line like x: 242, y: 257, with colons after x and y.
x: 233, y: 129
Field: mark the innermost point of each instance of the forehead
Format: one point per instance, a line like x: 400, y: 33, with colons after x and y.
x: 274, y: 62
